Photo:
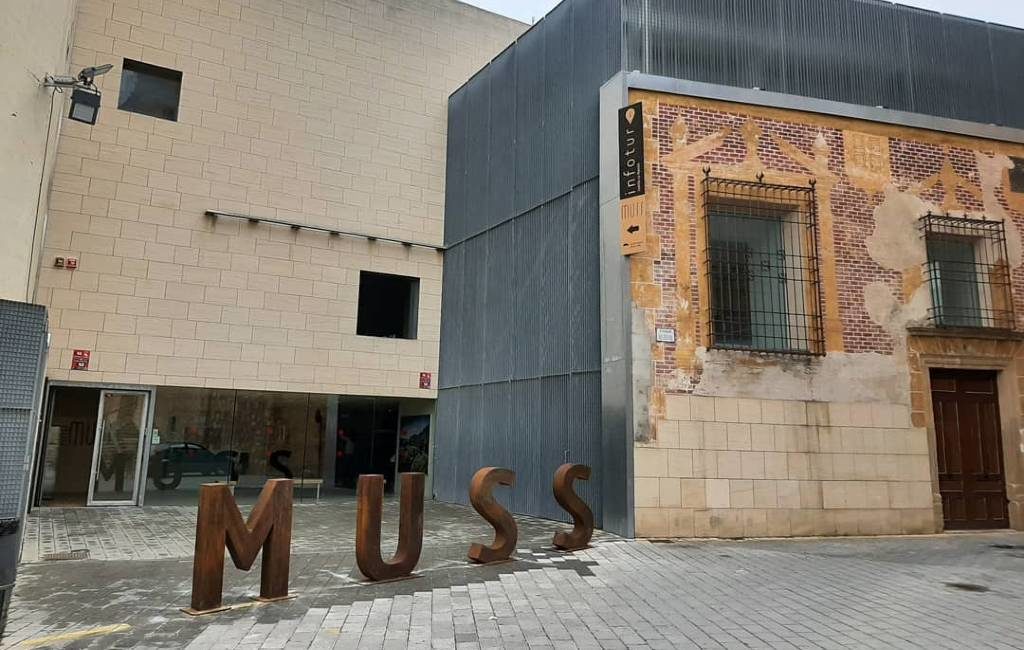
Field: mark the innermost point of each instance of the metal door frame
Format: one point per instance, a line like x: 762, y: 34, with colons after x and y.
x: 141, y: 447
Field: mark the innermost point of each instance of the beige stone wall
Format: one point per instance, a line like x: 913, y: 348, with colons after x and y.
x: 34, y: 39
x: 328, y: 113
x: 729, y: 467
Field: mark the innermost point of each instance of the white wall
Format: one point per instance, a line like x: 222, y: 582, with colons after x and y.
x: 34, y: 37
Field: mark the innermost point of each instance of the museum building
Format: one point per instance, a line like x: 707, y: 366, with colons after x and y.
x: 242, y: 256
x: 757, y: 262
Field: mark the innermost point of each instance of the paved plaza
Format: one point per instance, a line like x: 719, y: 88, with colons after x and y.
x: 949, y: 591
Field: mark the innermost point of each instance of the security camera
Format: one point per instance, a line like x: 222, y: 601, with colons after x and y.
x: 88, y: 74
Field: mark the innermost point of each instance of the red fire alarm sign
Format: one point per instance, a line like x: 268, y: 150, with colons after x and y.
x: 426, y: 379
x: 80, y: 360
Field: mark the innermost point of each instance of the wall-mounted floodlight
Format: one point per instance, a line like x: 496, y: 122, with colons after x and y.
x: 85, y: 96
x: 85, y: 106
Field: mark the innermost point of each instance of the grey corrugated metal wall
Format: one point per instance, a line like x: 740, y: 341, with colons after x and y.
x: 863, y: 52
x: 520, y: 382
x: 520, y: 328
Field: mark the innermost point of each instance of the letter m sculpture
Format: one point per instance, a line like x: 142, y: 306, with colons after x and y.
x: 220, y: 524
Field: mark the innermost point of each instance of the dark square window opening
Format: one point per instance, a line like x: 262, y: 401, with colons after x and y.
x: 967, y: 272
x: 762, y: 267
x: 150, y: 90
x: 1017, y: 175
x: 388, y: 305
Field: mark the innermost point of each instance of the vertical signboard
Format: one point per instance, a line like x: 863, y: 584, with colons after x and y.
x: 633, y: 233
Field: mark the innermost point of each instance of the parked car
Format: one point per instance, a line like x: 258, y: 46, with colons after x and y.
x: 172, y: 461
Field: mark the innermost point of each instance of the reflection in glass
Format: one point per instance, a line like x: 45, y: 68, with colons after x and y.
x: 122, y: 418
x: 323, y: 442
x: 191, y: 443
x: 367, y: 440
x: 414, y: 444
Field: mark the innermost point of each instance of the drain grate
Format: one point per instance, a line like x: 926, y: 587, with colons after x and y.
x: 967, y: 586
x: 77, y: 554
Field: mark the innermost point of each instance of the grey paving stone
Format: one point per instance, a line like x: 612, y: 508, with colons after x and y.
x: 837, y: 593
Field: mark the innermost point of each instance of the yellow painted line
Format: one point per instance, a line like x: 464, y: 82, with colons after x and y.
x: 74, y: 636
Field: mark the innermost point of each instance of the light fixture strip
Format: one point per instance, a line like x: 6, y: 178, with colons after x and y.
x: 330, y: 231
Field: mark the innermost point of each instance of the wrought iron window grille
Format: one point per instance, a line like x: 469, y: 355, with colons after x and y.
x: 968, y: 272
x: 761, y: 253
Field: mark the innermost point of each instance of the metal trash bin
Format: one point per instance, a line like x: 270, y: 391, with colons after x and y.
x: 23, y: 345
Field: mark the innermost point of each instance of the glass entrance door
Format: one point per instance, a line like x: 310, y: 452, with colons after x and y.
x: 117, y: 452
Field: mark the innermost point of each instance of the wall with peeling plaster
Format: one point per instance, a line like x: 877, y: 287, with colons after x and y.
x: 716, y: 473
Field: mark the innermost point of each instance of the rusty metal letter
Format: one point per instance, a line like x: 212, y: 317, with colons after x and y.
x: 505, y: 531
x: 220, y: 524
x: 583, y: 518
x: 370, y: 496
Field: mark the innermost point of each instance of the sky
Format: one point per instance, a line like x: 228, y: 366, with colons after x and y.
x: 1006, y: 12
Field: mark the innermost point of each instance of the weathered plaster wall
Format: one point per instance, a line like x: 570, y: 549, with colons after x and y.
x: 873, y: 182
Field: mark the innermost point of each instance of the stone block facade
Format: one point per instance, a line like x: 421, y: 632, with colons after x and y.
x: 841, y: 441
x: 740, y: 467
x: 323, y: 113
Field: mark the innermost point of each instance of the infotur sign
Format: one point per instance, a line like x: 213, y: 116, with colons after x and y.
x: 633, y: 233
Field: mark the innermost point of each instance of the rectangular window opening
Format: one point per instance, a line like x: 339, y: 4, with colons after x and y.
x: 150, y: 90
x: 762, y: 267
x: 968, y: 272
x: 388, y: 305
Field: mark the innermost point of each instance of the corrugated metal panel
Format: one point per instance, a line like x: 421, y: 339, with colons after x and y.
x: 530, y: 119
x: 931, y: 90
x: 584, y: 279
x: 877, y: 81
x: 473, y: 337
x: 451, y: 317
x: 634, y: 41
x: 455, y: 174
x: 502, y: 168
x: 815, y: 33
x: 759, y: 56
x: 499, y: 313
x: 478, y: 140
x: 520, y: 311
x: 584, y: 439
x: 969, y: 66
x: 552, y: 246
x: 865, y: 52
x: 446, y: 437
x: 529, y: 271
x: 691, y: 41
x: 498, y: 437
x: 1007, y: 57
x: 590, y: 68
x: 557, y: 149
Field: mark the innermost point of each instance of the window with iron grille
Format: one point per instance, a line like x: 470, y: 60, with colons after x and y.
x: 762, y: 266
x: 968, y: 272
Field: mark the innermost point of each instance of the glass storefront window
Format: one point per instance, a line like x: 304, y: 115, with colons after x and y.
x: 324, y: 442
x: 191, y: 443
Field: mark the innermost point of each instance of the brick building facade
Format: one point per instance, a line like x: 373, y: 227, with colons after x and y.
x: 747, y: 443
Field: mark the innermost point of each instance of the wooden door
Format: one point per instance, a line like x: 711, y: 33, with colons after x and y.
x: 969, y: 449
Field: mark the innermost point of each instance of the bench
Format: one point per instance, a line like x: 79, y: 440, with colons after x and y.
x: 297, y: 483
x: 300, y: 483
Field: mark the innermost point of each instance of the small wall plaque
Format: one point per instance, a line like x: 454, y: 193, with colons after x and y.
x: 80, y: 360
x: 665, y: 335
